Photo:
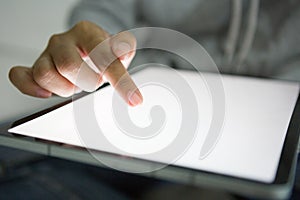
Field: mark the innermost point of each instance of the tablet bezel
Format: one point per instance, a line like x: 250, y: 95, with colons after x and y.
x: 282, y: 179
x: 287, y: 156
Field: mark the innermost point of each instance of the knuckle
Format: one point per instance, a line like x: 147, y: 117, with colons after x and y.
x: 124, y: 83
x: 82, y: 25
x: 85, y: 26
x: 42, y: 75
x: 89, y: 34
x: 66, y: 65
x: 55, y: 39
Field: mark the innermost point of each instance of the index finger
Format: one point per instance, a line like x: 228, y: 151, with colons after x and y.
x: 115, y: 73
x: 119, y: 78
x: 100, y: 51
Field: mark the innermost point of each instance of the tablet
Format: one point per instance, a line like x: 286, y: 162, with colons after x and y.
x: 253, y: 153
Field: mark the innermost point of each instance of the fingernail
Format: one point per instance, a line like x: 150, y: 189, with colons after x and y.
x: 122, y: 48
x: 43, y: 93
x: 135, y: 99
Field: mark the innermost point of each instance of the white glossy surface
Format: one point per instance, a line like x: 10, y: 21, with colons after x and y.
x: 258, y: 112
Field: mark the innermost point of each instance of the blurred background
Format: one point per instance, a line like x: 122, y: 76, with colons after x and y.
x: 25, y: 29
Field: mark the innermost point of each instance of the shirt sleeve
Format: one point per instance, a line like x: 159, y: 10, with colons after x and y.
x: 111, y: 15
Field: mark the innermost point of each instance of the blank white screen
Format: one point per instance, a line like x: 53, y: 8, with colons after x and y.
x: 258, y: 112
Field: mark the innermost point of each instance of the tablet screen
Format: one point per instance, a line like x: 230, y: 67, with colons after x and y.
x: 257, y: 116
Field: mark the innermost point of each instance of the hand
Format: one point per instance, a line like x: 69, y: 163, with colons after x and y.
x: 61, y: 68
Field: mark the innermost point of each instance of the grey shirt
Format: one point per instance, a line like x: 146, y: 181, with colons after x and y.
x: 260, y: 38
